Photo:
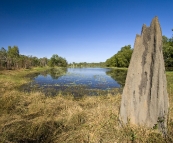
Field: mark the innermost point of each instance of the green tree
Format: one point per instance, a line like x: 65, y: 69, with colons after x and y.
x: 56, y: 60
x: 12, y: 57
x: 168, y: 51
x: 43, y: 61
x: 121, y: 59
x: 3, y: 58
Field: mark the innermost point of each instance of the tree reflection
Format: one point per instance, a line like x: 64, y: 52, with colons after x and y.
x: 56, y: 73
x: 119, y: 75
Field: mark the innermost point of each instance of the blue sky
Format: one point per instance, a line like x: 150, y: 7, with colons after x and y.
x: 78, y: 30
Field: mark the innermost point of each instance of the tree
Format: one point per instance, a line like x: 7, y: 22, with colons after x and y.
x: 168, y: 51
x: 12, y: 57
x: 3, y: 58
x: 43, y: 61
x: 56, y: 60
x: 121, y: 59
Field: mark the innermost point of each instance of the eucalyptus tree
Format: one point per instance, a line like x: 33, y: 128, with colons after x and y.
x: 43, y: 62
x: 12, y: 57
x: 3, y: 58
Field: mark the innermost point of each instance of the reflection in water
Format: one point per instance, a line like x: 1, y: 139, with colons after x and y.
x: 118, y: 75
x: 55, y: 74
x: 78, y: 81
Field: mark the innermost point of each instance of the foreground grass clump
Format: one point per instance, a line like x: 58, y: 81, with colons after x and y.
x: 35, y: 118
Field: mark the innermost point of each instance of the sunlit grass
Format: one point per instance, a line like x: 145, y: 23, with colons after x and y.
x: 120, y: 68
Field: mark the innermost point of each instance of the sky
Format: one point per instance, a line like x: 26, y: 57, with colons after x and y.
x: 78, y: 30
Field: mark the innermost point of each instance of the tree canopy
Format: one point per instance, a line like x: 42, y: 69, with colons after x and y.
x: 168, y: 51
x: 121, y: 59
x: 56, y: 60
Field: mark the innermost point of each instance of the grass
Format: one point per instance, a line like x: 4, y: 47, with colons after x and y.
x: 11, y: 79
x: 36, y: 118
x: 120, y: 68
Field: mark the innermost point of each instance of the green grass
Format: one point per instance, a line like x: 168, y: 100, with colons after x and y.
x: 12, y: 79
x: 33, y: 117
x: 170, y: 82
x: 120, y: 68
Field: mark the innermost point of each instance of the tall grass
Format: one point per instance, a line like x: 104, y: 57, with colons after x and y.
x: 35, y: 118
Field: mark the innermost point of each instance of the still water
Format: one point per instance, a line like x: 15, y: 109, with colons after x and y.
x: 80, y: 80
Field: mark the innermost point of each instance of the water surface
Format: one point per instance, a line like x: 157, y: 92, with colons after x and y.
x: 80, y: 80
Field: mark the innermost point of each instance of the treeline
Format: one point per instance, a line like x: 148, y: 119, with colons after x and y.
x: 85, y: 64
x: 168, y: 51
x: 12, y: 59
x: 122, y: 58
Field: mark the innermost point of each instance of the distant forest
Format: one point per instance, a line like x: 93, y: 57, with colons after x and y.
x: 85, y: 64
x: 12, y: 59
x: 122, y: 58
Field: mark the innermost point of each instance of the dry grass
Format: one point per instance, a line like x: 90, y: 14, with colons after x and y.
x: 35, y: 118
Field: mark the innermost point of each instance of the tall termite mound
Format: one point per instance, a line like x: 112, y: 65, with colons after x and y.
x: 145, y: 98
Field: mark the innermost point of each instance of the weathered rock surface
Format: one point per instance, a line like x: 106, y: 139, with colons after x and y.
x: 145, y: 99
